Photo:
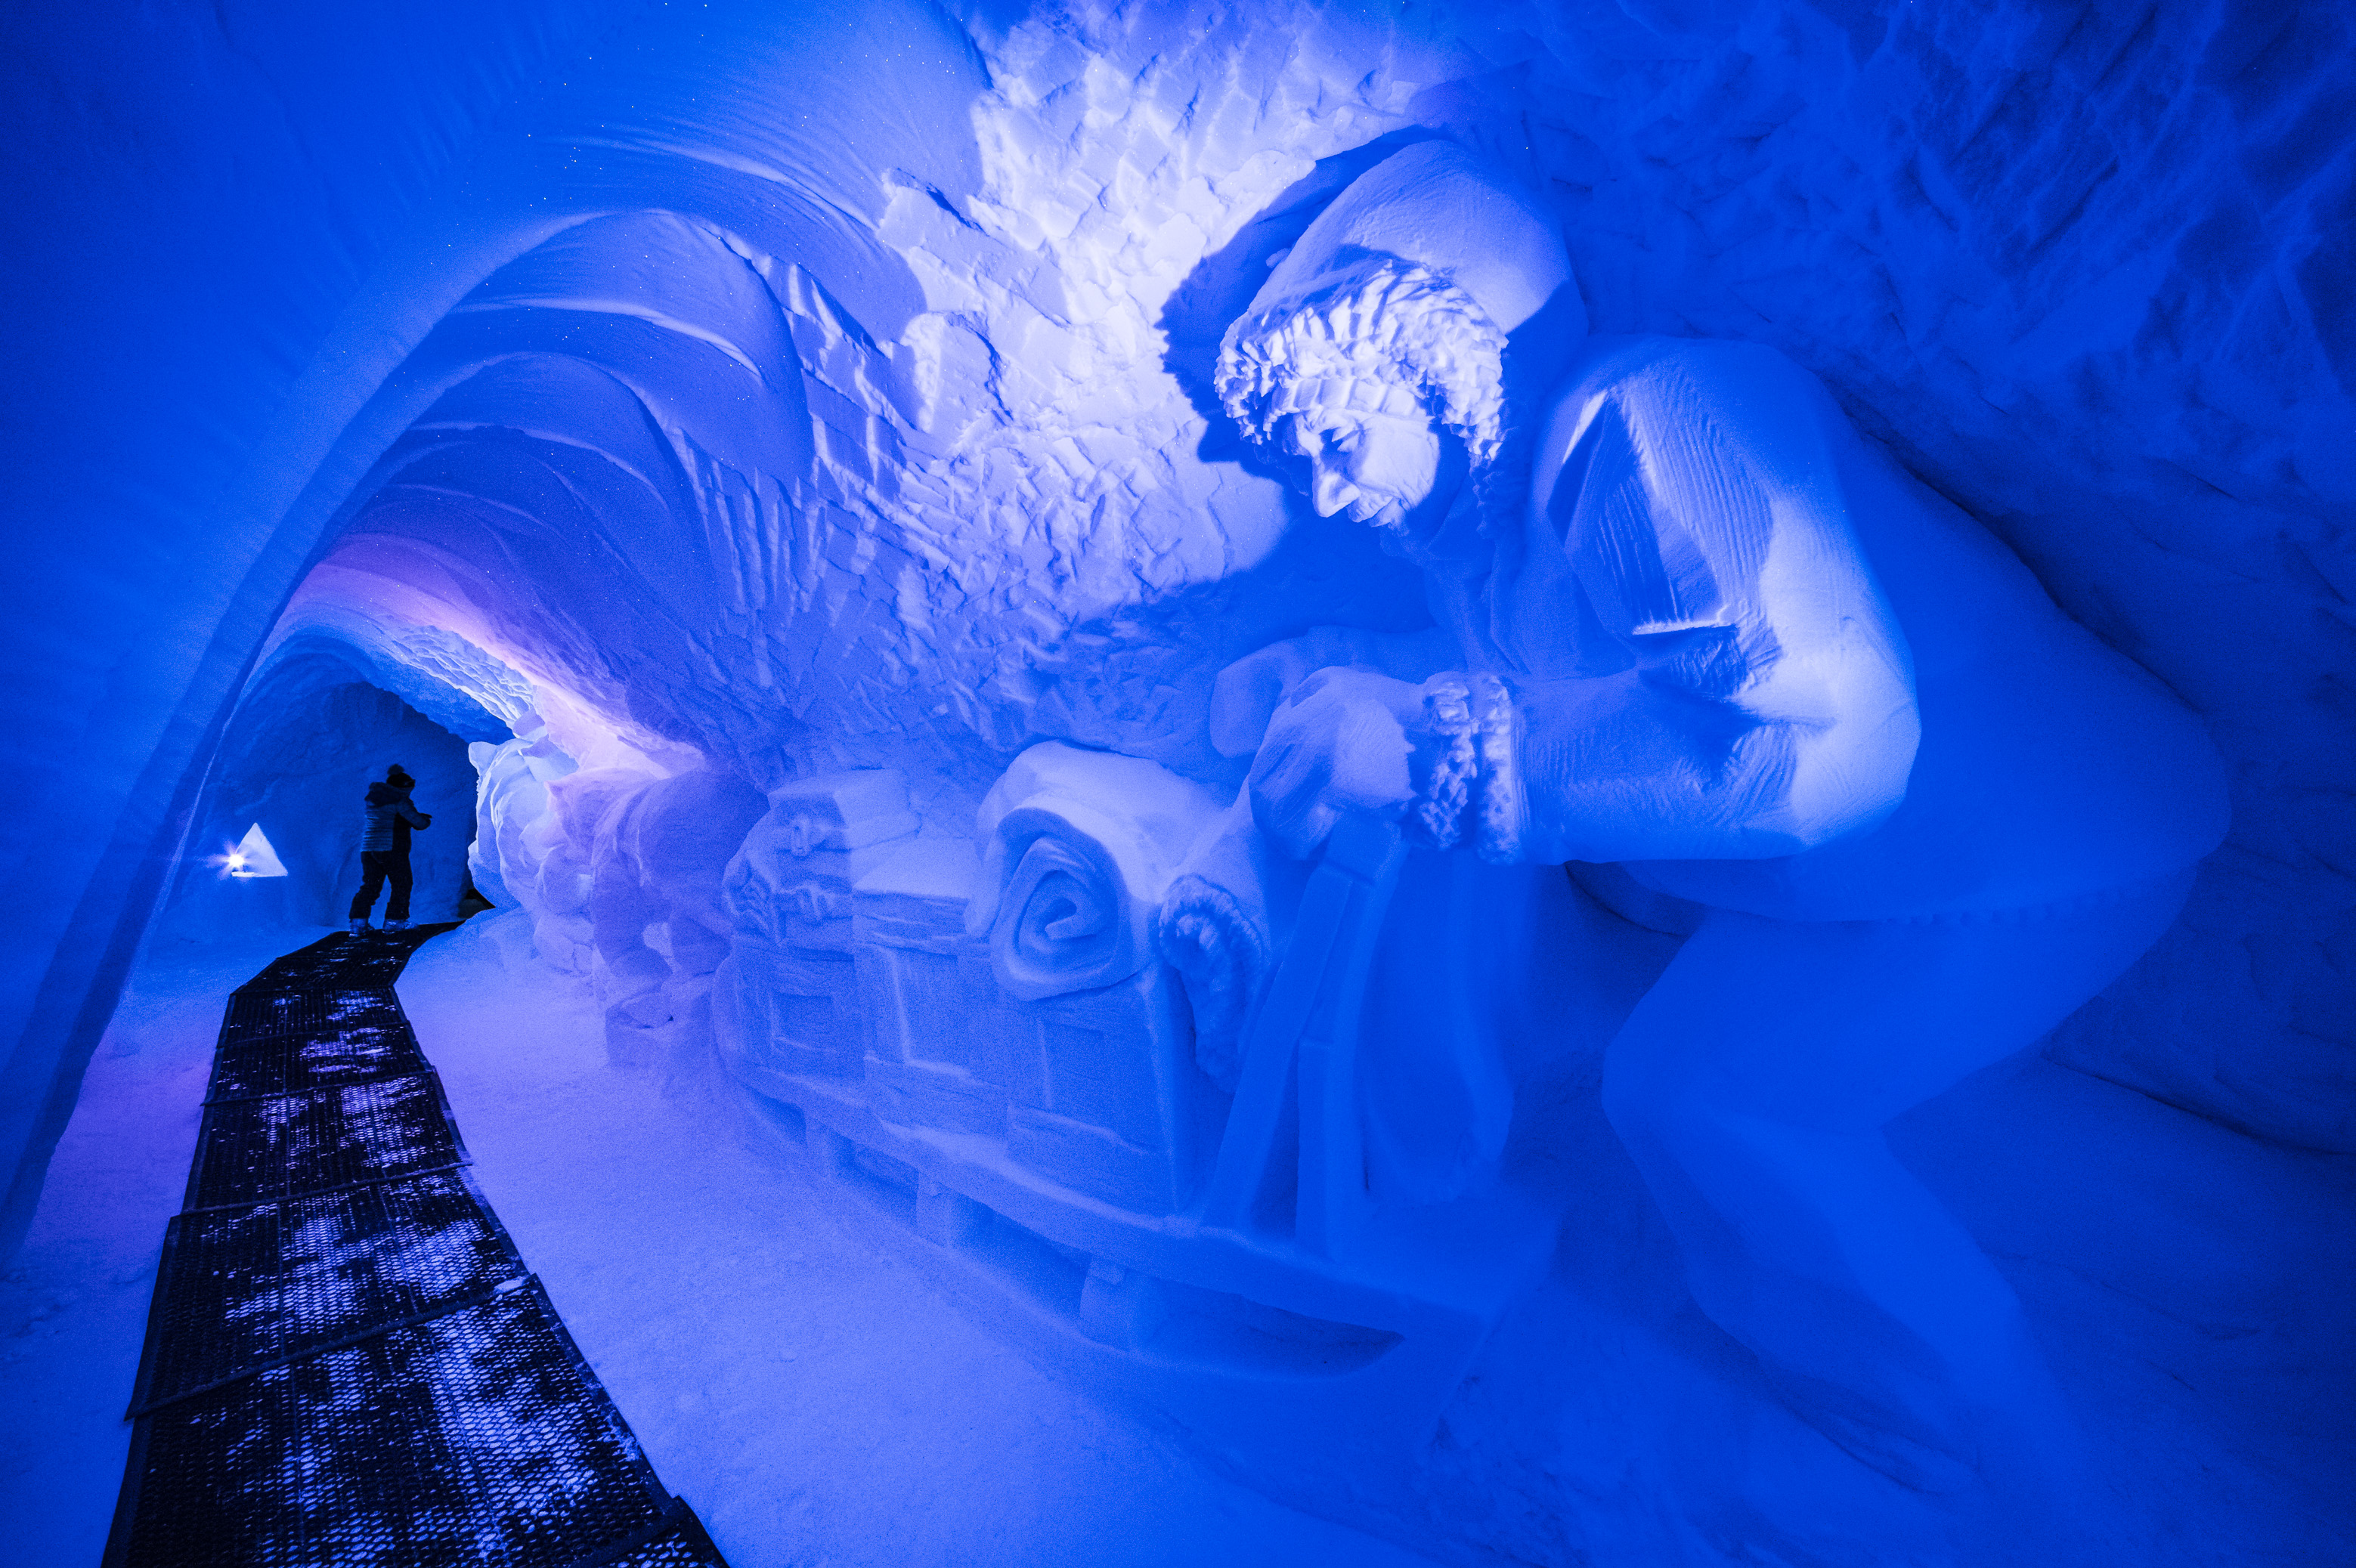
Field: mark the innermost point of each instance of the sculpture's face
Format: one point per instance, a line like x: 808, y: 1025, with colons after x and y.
x: 1379, y: 468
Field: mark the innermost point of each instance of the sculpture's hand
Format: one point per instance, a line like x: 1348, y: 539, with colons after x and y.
x: 1342, y: 741
x: 1250, y: 690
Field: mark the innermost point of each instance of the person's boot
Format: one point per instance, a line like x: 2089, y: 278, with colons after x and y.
x: 359, y: 925
x: 396, y: 925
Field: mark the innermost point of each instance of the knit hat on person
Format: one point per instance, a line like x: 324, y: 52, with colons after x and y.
x: 397, y: 774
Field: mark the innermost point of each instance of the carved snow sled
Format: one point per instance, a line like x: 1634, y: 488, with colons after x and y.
x: 1215, y: 1258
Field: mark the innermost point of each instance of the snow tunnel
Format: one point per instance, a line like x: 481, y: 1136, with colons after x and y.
x: 1555, y: 782
x: 320, y: 720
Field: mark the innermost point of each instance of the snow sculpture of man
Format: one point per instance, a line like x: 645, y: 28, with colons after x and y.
x: 1696, y: 634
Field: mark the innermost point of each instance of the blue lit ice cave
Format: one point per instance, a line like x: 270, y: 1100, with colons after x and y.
x: 1517, y: 782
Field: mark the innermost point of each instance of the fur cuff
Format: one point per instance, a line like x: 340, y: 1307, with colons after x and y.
x: 1472, y: 720
x: 1496, y: 737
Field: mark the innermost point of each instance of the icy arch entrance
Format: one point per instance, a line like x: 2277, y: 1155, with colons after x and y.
x: 297, y: 761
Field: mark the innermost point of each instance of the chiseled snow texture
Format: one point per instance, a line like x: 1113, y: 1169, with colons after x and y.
x: 2075, y: 266
x: 792, y: 386
x: 785, y: 386
x: 2086, y: 269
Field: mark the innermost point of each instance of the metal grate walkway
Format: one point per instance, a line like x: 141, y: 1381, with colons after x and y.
x: 347, y: 1362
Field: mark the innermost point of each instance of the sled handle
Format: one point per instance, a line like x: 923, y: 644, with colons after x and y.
x: 1311, y: 1010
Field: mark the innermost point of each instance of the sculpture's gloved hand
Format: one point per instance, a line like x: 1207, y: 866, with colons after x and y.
x: 1343, y: 741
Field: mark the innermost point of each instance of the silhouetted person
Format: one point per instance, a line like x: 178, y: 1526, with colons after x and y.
x: 384, y: 848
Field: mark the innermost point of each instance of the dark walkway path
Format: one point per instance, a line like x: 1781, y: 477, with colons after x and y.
x: 346, y: 1362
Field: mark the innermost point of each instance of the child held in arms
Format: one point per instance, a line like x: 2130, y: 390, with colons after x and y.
x: 384, y: 849
x: 1699, y: 641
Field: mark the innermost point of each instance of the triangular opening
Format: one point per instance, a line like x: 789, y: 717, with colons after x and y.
x: 253, y: 856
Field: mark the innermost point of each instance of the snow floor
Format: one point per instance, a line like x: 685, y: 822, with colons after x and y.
x: 814, y: 1399
x: 73, y: 1304
x: 806, y: 1391
x: 796, y: 1376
